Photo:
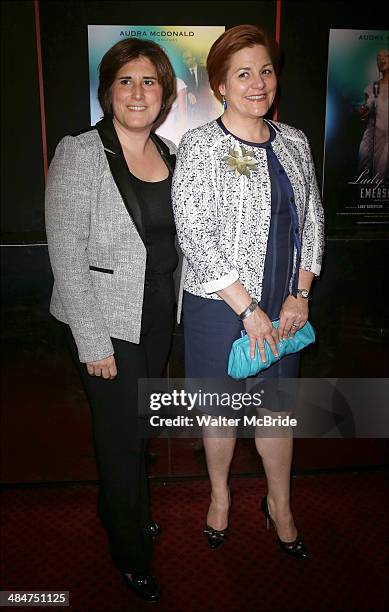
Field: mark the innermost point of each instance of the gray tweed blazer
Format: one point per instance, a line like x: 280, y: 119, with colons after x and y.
x: 96, y: 240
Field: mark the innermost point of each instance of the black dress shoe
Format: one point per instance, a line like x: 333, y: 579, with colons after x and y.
x: 294, y: 549
x: 217, y: 537
x: 154, y: 530
x: 143, y: 585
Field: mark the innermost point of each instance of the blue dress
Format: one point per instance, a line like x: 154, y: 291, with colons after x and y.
x: 210, y: 326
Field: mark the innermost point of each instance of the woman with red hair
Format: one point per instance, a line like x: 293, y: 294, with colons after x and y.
x: 250, y: 224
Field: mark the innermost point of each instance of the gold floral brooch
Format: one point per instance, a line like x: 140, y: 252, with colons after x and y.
x: 240, y: 161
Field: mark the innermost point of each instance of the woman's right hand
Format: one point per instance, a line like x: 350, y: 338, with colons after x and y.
x: 104, y: 367
x: 259, y: 328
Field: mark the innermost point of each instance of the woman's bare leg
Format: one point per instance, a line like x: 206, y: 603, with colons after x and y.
x: 276, y: 454
x: 219, y: 453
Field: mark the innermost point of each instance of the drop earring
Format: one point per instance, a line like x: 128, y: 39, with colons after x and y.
x: 224, y: 103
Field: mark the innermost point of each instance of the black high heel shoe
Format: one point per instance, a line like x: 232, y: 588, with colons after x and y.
x: 217, y: 537
x: 296, y: 548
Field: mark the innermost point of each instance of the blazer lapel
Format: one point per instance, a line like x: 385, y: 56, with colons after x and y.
x: 168, y: 158
x: 120, y: 172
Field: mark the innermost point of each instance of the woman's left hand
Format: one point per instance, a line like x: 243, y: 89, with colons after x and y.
x: 293, y: 315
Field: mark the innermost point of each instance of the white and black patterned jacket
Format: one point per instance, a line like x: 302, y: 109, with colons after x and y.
x: 223, y: 221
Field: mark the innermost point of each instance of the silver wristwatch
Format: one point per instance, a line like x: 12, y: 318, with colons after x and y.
x: 303, y: 293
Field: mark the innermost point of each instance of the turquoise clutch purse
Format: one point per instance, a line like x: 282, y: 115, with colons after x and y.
x: 240, y: 364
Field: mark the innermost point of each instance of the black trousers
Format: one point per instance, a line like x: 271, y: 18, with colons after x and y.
x: 123, y: 492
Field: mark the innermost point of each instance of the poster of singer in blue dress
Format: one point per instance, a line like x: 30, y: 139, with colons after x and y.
x: 356, y: 167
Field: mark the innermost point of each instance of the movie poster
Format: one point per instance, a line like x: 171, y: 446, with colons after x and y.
x: 187, y: 48
x: 356, y: 185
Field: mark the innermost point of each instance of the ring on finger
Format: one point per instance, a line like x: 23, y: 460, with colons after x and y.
x: 294, y: 325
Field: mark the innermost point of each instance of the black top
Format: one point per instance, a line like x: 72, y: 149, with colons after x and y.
x: 159, y: 225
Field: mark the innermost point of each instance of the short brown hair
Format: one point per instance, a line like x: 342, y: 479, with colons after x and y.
x: 130, y: 49
x: 230, y: 42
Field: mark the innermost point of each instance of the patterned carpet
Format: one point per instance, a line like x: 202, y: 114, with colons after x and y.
x: 51, y: 539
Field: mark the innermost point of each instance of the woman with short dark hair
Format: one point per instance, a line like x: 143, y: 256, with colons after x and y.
x: 111, y: 235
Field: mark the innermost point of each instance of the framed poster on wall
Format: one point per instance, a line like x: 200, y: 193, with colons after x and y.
x: 187, y: 48
x: 356, y: 171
